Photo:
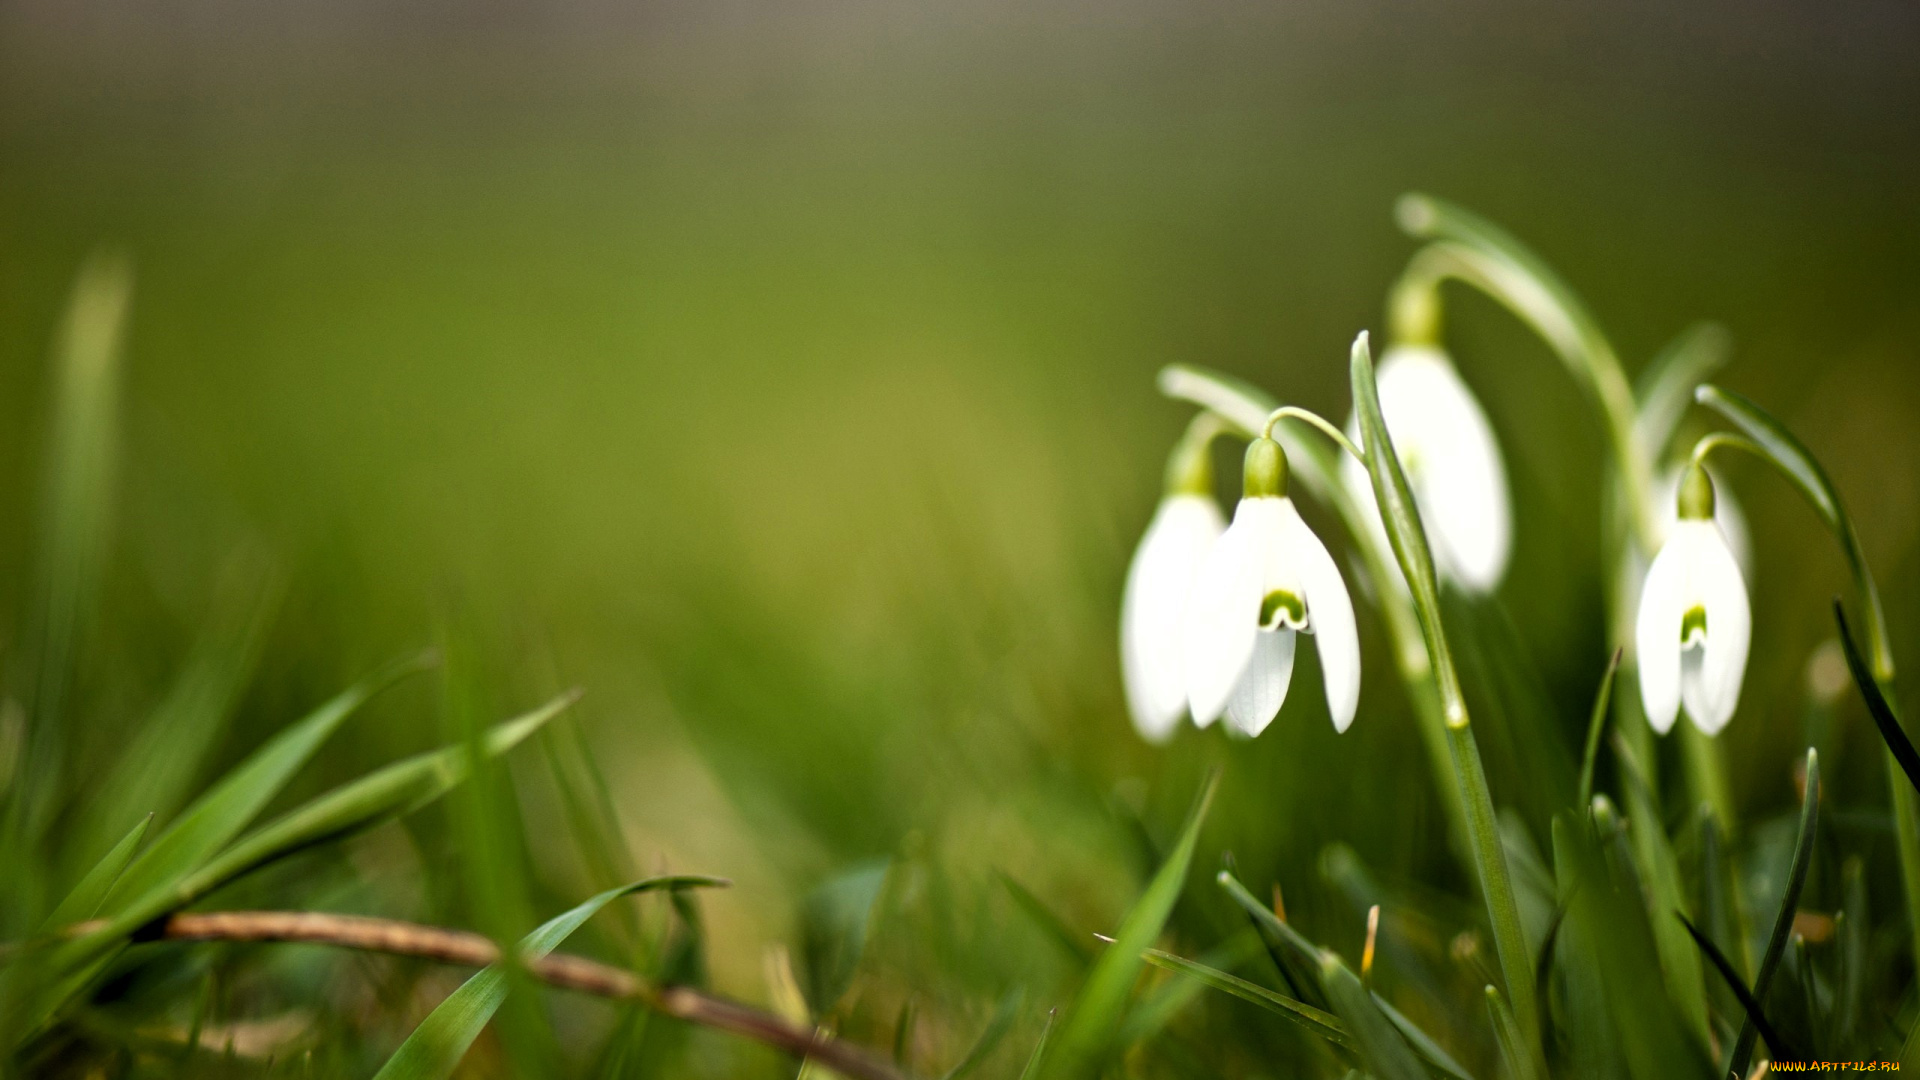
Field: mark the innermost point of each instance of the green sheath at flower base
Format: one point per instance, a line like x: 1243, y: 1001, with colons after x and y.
x: 1190, y: 466
x: 1696, y: 495
x: 1265, y: 472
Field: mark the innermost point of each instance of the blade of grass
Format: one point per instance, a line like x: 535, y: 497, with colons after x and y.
x: 435, y: 1047
x: 76, y: 503
x: 1618, y: 1021
x: 1306, y: 1017
x: 1851, y: 929
x: 1750, y: 1007
x: 1278, y: 928
x: 1038, y: 1060
x: 396, y: 790
x: 85, y: 899
x: 1653, y: 860
x: 1098, y: 1010
x: 1878, y: 707
x: 1159, y: 1008
x: 1385, y: 1054
x: 1514, y: 1052
x: 997, y: 1027
x: 1409, y: 542
x: 1596, y: 727
x: 1783, y: 921
x: 219, y: 815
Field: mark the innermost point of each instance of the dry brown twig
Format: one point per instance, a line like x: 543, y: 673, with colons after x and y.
x: 397, y: 938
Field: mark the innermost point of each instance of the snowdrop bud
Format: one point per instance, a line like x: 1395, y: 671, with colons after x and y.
x: 1452, y: 461
x: 1267, y: 580
x: 1159, y: 581
x: 1694, y: 623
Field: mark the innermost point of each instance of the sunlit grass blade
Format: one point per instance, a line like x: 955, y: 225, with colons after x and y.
x: 1306, y: 1017
x: 1039, y: 1057
x: 1072, y: 942
x: 1004, y: 1014
x: 1783, y: 920
x: 1877, y: 706
x: 1097, y: 1011
x: 1596, y: 727
x: 1748, y: 1006
x: 85, y: 899
x: 1156, y: 1010
x: 435, y: 1047
x: 1665, y: 387
x: 220, y: 814
x: 1515, y: 1049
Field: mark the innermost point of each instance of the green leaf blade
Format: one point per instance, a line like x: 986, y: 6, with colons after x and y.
x: 435, y: 1047
x: 1098, y: 1011
x: 223, y: 811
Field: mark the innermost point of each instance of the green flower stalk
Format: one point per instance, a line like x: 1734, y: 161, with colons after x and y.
x: 1410, y: 548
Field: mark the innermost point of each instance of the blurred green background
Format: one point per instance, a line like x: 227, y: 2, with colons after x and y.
x: 783, y: 375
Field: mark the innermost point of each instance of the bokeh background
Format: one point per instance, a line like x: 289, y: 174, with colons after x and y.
x: 783, y: 375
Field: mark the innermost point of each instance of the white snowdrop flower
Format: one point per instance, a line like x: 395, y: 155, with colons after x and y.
x: 1153, y: 608
x: 1452, y: 463
x: 1694, y: 623
x: 1267, y: 579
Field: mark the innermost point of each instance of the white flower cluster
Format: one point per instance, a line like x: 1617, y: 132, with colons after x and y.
x: 1212, y: 611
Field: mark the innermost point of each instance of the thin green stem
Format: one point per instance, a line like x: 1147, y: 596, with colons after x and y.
x: 1295, y: 412
x: 1408, y: 538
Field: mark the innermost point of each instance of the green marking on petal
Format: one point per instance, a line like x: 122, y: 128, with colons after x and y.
x: 1283, y: 607
x: 1693, y: 625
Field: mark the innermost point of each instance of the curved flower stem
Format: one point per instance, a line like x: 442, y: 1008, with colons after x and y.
x: 1295, y: 412
x: 1478, y: 253
x: 1409, y: 541
x: 397, y: 938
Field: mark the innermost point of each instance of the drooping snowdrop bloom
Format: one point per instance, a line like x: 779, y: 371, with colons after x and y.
x: 1153, y: 608
x: 1694, y: 623
x: 1267, y: 579
x: 1452, y: 463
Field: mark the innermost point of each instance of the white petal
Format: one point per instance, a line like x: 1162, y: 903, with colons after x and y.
x: 1221, y: 619
x: 1656, y: 635
x: 1159, y: 582
x: 1453, y: 462
x: 1714, y: 691
x: 1262, y: 689
x: 1329, y: 617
